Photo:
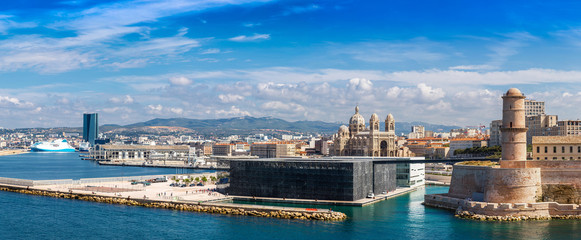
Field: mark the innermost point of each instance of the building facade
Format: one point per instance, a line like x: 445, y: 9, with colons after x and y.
x: 417, y: 132
x: 90, y: 127
x: 410, y: 174
x: 273, y: 149
x: 534, y: 108
x: 570, y: 128
x: 140, y: 152
x: 358, y: 140
x: 495, y: 134
x: 223, y: 149
x: 464, y: 143
x: 557, y: 148
x: 541, y: 125
x: 345, y: 179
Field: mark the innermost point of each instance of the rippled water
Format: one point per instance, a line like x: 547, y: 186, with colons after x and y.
x: 35, y: 217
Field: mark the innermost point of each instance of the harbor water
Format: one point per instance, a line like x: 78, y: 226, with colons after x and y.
x: 404, y: 217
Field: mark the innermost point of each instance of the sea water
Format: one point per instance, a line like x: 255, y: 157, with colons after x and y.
x: 404, y: 217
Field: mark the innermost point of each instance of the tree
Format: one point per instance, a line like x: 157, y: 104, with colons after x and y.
x: 187, y: 181
x: 204, y: 179
x: 213, y: 179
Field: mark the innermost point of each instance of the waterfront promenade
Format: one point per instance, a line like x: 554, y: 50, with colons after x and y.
x: 13, y: 152
x: 125, y: 190
x: 162, y: 164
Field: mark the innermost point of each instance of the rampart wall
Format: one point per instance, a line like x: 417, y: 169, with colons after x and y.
x: 529, y: 210
x: 492, y: 184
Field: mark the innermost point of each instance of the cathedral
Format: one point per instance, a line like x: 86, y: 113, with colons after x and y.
x: 358, y: 140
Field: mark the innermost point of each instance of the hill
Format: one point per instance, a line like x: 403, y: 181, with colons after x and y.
x: 249, y: 125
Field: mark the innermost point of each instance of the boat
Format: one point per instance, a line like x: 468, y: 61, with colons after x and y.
x: 84, y: 147
x: 59, y: 145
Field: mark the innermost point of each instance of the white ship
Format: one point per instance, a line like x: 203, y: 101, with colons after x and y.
x: 59, y: 145
x: 84, y: 147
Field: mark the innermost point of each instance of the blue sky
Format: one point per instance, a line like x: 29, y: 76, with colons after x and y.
x: 435, y: 61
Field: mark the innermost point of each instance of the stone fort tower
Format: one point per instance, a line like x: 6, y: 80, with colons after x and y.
x: 514, y: 131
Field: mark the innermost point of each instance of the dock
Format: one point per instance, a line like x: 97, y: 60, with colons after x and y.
x: 161, y: 165
x: 357, y: 203
x: 159, y: 195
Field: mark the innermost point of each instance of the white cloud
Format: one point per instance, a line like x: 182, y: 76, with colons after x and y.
x: 181, y: 81
x: 474, y: 67
x: 210, y: 51
x: 280, y: 106
x: 154, y: 109
x: 417, y: 50
x: 360, y: 84
x: 249, y: 25
x: 6, y: 101
x: 232, y: 112
x: 178, y: 111
x: 253, y: 38
x: 98, y: 36
x: 7, y: 23
x: 301, y: 9
x: 229, y: 98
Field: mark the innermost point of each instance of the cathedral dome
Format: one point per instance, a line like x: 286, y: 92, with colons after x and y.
x: 513, y: 92
x: 357, y: 119
x: 389, y: 118
x: 343, y: 129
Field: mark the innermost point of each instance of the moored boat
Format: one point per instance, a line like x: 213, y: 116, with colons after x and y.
x: 59, y: 145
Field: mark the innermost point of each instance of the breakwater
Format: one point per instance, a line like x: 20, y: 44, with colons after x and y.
x: 485, y: 211
x: 218, y: 208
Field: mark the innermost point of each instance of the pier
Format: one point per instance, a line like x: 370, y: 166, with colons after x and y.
x: 134, y: 191
x: 173, y: 164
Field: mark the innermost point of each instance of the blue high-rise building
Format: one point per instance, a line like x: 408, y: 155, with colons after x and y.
x: 90, y: 127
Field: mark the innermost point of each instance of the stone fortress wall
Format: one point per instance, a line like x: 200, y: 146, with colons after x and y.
x: 491, y: 184
x: 533, y: 210
x: 519, y: 187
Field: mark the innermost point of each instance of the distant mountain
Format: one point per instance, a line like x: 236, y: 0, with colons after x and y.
x: 247, y: 125
x: 240, y: 123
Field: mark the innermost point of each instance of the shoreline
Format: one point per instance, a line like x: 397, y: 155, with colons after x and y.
x: 206, y: 201
x: 13, y: 152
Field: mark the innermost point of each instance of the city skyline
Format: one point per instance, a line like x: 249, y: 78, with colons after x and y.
x: 132, y: 61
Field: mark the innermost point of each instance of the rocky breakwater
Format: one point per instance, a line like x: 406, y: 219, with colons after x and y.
x: 206, y: 208
x: 473, y: 216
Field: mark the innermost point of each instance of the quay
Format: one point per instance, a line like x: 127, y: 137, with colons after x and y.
x: 159, y: 195
x: 161, y: 165
x: 357, y: 203
x: 13, y: 152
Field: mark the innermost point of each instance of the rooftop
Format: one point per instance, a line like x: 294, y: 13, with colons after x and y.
x: 556, y: 139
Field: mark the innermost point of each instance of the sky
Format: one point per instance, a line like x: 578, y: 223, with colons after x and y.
x: 442, y: 62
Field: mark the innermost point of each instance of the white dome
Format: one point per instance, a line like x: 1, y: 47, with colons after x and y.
x: 357, y: 119
x: 343, y: 129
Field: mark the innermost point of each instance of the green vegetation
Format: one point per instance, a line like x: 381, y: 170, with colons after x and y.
x: 530, y: 148
x: 485, y: 151
x: 478, y: 163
